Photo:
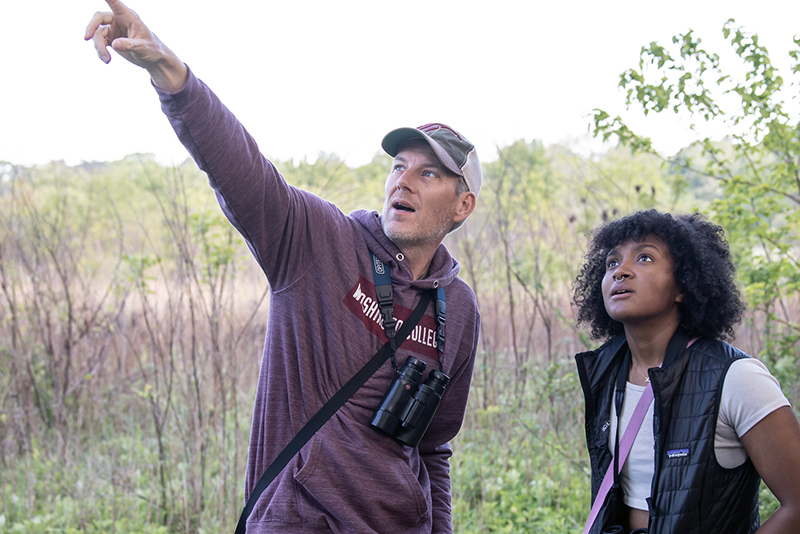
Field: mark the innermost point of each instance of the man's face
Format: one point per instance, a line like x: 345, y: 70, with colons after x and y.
x: 421, y: 203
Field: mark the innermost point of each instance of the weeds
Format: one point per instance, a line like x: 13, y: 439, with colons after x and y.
x: 132, y: 320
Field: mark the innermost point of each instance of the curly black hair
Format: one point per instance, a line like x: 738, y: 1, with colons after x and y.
x: 703, y: 269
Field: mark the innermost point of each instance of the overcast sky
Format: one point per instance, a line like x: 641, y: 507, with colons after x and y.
x: 322, y: 76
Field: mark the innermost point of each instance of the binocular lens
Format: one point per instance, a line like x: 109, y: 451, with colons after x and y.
x: 419, y: 412
x: 387, y: 416
x: 408, y: 407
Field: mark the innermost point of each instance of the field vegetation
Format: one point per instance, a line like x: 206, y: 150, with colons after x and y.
x: 132, y: 317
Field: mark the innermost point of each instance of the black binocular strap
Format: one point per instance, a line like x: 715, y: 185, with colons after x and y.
x: 328, y: 409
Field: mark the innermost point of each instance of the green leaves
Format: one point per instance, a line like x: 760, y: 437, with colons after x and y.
x: 138, y: 264
x: 758, y: 169
x: 524, y: 469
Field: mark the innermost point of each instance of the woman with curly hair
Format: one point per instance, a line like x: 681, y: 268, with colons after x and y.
x: 697, y: 422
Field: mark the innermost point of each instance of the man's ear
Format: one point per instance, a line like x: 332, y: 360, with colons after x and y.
x: 466, y: 205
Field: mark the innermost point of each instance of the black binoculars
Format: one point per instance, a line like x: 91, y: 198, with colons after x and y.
x: 408, y: 407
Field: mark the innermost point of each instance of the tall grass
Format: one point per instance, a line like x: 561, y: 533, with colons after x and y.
x: 131, y: 328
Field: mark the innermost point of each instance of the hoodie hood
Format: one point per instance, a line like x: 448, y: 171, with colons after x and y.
x: 443, y: 269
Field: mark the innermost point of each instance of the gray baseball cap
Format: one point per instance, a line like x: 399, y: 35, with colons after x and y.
x: 453, y: 150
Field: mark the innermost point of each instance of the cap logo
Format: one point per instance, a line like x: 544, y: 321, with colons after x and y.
x: 432, y: 127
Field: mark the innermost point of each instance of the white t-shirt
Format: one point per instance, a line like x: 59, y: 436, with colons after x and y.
x: 749, y: 394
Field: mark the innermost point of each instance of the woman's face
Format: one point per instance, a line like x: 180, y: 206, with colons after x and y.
x: 639, y: 285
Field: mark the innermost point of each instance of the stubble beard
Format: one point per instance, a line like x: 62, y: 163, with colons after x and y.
x: 417, y: 236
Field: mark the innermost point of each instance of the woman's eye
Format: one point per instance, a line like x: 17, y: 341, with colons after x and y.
x: 645, y: 257
x: 611, y: 264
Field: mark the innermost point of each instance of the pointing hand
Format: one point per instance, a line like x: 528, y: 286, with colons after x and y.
x: 124, y: 31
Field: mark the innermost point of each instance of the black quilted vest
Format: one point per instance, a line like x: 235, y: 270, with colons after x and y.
x: 691, y: 493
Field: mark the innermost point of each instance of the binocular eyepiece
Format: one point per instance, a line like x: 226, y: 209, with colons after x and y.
x: 408, y: 407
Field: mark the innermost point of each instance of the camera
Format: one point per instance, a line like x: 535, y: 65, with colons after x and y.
x: 408, y: 407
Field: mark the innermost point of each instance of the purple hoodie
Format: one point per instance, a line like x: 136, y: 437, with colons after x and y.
x: 323, y: 327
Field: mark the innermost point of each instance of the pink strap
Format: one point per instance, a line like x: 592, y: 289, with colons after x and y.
x: 624, y: 448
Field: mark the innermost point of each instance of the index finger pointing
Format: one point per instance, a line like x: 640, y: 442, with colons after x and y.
x: 117, y: 7
x: 122, y: 13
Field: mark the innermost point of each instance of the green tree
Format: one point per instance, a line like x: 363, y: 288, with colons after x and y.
x: 757, y: 167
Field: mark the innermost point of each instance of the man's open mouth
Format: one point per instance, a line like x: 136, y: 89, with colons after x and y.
x: 402, y: 207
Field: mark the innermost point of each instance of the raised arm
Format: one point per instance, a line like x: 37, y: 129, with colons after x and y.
x: 124, y: 31
x: 269, y: 213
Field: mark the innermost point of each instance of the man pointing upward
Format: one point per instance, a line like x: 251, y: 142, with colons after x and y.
x: 351, y: 477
